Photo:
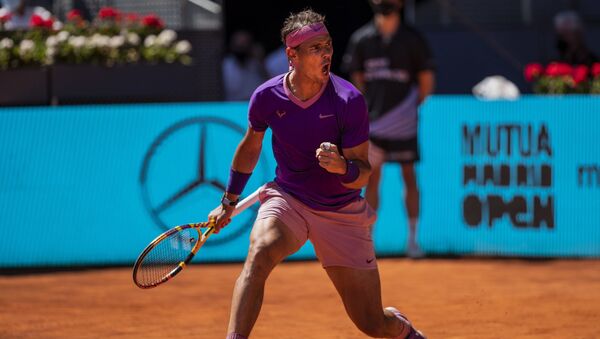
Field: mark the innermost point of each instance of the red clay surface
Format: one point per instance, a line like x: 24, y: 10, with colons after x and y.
x: 458, y: 298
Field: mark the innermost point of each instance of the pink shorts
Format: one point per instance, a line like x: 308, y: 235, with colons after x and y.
x: 340, y: 238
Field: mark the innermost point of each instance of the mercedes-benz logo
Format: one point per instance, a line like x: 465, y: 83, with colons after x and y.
x: 185, y: 171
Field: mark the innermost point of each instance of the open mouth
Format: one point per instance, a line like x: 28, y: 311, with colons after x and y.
x: 325, y: 69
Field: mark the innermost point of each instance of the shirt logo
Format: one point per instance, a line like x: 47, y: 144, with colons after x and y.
x: 280, y: 113
x: 321, y: 116
x: 370, y: 260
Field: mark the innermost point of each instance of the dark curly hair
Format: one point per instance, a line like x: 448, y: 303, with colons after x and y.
x: 298, y: 20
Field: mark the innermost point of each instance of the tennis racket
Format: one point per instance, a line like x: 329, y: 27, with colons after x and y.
x: 171, y: 251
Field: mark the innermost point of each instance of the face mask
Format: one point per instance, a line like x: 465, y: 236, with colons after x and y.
x: 241, y: 56
x: 385, y: 8
x: 561, y: 45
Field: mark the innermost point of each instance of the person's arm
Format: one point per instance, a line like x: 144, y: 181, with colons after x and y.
x: 244, y: 160
x: 358, y: 79
x: 353, y: 167
x: 426, y: 81
x: 352, y: 62
x: 20, y: 8
x: 424, y: 67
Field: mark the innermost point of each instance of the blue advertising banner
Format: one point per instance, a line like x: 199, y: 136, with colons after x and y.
x: 514, y: 178
x: 92, y: 185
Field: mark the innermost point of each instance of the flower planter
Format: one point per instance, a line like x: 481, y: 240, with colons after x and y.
x: 87, y: 84
x: 26, y: 86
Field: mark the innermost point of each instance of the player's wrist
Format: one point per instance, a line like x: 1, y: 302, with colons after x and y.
x: 229, y: 201
x: 352, y: 172
x: 237, y: 182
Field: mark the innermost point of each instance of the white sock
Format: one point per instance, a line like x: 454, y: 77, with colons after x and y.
x: 412, y: 230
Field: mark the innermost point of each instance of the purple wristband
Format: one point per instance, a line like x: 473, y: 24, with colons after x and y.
x: 352, y: 172
x: 237, y: 181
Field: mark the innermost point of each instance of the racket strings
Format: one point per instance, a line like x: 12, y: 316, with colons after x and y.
x: 166, y: 256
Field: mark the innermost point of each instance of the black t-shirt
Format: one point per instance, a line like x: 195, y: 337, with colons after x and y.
x: 390, y: 67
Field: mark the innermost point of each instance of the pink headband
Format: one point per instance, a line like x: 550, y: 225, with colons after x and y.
x: 295, y: 38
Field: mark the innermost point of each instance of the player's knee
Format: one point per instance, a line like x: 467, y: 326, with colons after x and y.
x: 259, y: 261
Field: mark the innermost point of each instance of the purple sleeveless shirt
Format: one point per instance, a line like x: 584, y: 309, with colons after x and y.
x: 337, y: 114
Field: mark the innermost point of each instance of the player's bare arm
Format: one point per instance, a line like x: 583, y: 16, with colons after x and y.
x: 244, y: 160
x: 358, y: 80
x: 426, y: 84
x: 334, y: 162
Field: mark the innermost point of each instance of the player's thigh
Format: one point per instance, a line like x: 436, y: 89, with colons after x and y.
x: 271, y: 240
x: 360, y: 290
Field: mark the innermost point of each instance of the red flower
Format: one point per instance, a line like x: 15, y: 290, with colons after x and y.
x: 108, y: 13
x: 596, y: 69
x: 38, y: 21
x: 556, y: 69
x: 533, y: 70
x: 580, y: 73
x: 74, y: 15
x: 152, y: 20
x: 4, y: 18
x: 131, y: 17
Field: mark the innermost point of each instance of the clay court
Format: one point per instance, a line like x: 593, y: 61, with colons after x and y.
x: 446, y: 298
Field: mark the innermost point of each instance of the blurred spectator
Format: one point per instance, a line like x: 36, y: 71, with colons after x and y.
x: 393, y: 66
x: 243, y: 68
x: 570, y: 39
x: 19, y: 14
x: 277, y: 62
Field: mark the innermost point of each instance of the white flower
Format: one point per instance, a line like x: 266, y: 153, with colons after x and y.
x: 166, y: 37
x: 133, y: 39
x: 92, y: 41
x: 42, y: 12
x: 104, y: 41
x: 77, y: 41
x: 6, y: 43
x: 62, y: 36
x: 183, y: 47
x: 116, y: 41
x: 26, y: 46
x: 57, y: 25
x: 150, y: 40
x: 98, y: 40
x: 50, y: 51
x: 52, y: 41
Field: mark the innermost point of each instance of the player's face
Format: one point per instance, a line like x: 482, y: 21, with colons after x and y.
x: 313, y: 58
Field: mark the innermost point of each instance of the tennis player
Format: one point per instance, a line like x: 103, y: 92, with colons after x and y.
x: 320, y: 140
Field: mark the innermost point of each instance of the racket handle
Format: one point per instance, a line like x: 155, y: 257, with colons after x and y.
x: 247, y: 202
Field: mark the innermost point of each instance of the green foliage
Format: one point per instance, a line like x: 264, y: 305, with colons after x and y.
x: 108, y: 41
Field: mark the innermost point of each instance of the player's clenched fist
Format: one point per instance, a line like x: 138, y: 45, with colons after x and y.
x: 330, y: 158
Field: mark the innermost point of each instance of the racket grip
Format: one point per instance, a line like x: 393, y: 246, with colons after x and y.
x: 247, y: 202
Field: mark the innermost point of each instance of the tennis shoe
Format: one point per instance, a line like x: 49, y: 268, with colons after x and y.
x: 413, y: 333
x: 413, y: 251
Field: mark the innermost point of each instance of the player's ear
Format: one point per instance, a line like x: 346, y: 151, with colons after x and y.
x: 291, y: 53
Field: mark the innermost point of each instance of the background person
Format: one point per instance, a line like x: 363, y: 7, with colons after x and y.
x: 243, y: 69
x: 570, y: 40
x: 392, y: 65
